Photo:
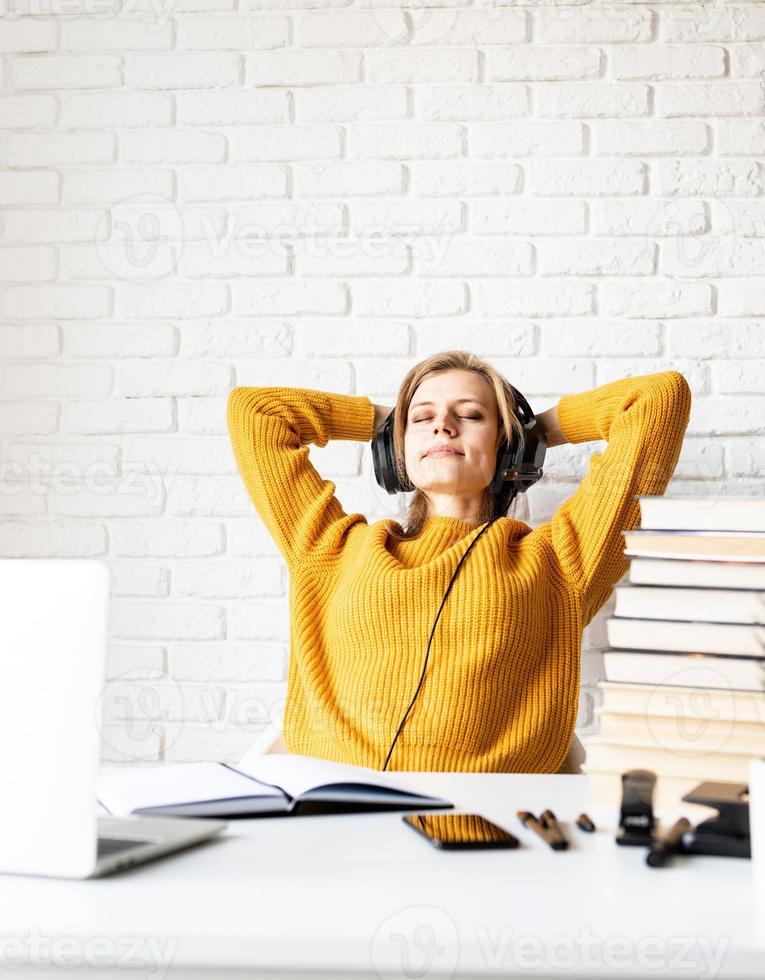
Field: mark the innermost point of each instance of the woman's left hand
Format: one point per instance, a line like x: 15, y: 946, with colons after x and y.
x: 551, y: 427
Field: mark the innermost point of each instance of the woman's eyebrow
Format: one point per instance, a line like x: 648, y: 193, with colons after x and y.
x: 458, y: 402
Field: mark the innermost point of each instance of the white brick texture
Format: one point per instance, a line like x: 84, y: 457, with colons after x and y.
x: 320, y: 193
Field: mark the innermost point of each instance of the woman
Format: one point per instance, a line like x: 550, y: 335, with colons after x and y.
x: 500, y: 693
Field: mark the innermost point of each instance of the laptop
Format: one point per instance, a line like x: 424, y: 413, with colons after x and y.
x: 54, y: 615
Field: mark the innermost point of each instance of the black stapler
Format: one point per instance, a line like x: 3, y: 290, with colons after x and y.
x: 726, y: 834
x: 636, y: 820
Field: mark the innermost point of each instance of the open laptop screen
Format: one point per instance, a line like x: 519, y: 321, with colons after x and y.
x: 53, y: 638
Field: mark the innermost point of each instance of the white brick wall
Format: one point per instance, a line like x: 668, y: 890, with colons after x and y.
x: 197, y: 196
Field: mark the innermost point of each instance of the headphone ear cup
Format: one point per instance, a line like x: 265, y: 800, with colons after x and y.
x: 384, y: 459
x: 503, y: 499
x: 504, y: 456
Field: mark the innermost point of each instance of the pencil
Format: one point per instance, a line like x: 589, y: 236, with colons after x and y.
x: 529, y: 820
x: 548, y: 821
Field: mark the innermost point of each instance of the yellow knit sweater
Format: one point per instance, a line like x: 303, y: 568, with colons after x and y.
x: 501, y: 688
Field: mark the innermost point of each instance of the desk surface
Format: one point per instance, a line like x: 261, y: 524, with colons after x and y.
x: 365, y: 896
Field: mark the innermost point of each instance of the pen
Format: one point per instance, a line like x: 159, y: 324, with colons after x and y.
x: 548, y: 821
x: 530, y: 821
x: 584, y: 823
x: 661, y: 850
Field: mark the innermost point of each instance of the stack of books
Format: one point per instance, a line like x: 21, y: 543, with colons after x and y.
x: 684, y: 694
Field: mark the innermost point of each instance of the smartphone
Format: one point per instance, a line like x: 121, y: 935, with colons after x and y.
x: 455, y: 831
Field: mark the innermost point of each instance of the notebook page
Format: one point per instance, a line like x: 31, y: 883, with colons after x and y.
x: 122, y: 791
x: 296, y: 774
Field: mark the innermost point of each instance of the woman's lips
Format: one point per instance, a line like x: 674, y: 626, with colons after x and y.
x: 442, y: 452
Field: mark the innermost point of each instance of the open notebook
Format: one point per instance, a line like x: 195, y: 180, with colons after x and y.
x: 259, y: 785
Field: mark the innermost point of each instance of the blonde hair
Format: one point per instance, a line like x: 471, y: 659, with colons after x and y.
x: 509, y: 423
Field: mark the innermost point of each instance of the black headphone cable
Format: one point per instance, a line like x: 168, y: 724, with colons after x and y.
x: 427, y: 654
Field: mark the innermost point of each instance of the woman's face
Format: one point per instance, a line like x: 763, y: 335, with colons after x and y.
x: 462, y: 416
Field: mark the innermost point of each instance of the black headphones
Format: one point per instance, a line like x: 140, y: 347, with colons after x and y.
x: 519, y: 466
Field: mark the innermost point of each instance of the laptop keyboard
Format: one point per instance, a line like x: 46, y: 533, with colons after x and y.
x: 113, y: 845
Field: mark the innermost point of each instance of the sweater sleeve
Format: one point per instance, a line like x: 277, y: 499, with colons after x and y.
x: 270, y: 430
x: 643, y: 420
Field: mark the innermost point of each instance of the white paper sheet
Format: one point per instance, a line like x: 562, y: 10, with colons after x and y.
x: 299, y: 773
x: 125, y: 790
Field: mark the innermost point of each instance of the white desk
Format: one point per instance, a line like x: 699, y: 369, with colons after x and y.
x: 364, y: 896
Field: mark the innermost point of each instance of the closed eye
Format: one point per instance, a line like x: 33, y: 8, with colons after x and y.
x: 476, y: 417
